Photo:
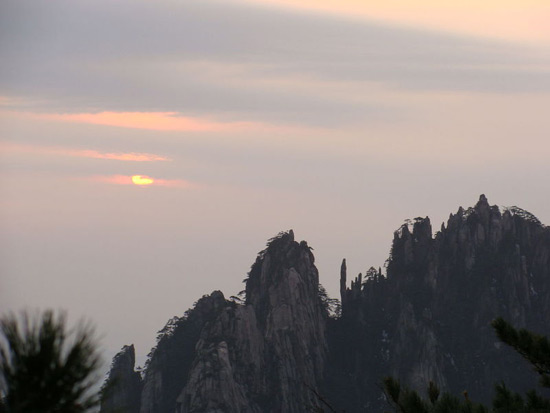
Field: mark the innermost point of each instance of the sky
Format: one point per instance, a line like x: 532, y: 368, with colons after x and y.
x: 148, y: 150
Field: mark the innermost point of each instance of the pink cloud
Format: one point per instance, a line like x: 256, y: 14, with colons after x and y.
x: 85, y: 153
x: 130, y: 156
x: 161, y: 121
x: 158, y: 121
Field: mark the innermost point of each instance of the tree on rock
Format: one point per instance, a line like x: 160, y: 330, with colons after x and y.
x: 533, y: 347
x: 408, y: 401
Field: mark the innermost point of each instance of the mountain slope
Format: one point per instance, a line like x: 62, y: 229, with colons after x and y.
x: 264, y: 355
x: 427, y: 318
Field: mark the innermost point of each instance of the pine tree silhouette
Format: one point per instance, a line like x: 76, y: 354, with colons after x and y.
x: 46, y: 368
x: 533, y: 347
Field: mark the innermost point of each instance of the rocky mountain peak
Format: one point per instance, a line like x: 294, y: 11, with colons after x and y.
x: 433, y: 309
x: 122, y: 389
x: 210, y: 304
x: 265, y: 355
x: 422, y: 228
x: 482, y: 202
x: 283, y: 274
x: 125, y: 358
x: 428, y: 318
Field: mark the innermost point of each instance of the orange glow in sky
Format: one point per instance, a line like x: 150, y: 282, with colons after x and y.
x: 132, y: 156
x: 516, y: 20
x: 142, y: 180
x: 157, y: 121
x: 161, y: 121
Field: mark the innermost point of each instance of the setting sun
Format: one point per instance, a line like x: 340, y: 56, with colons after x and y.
x: 142, y: 180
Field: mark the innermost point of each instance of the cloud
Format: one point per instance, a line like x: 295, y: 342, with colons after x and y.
x: 5, y: 101
x: 157, y: 68
x: 160, y: 121
x: 131, y: 156
x: 525, y: 21
x: 141, y: 181
x: 85, y: 153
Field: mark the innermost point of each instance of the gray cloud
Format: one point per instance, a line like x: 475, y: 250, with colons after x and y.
x: 66, y: 51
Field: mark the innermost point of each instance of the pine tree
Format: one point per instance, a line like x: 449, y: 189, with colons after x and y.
x: 533, y: 347
x: 46, y: 368
x: 409, y: 401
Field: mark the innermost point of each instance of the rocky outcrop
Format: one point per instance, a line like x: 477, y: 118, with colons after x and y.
x: 283, y: 290
x: 226, y: 375
x: 264, y: 355
x: 167, y: 369
x: 427, y: 319
x: 268, y: 355
x: 122, y: 389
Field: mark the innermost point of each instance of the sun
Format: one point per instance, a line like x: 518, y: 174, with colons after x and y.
x: 142, y: 180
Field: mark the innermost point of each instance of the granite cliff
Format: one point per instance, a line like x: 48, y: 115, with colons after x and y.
x: 123, y: 383
x: 264, y: 354
x: 427, y: 318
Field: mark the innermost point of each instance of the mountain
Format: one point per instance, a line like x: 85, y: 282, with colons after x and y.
x: 429, y: 317
x: 284, y: 349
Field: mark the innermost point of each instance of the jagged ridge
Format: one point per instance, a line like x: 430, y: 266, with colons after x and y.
x: 427, y: 318
x: 264, y: 355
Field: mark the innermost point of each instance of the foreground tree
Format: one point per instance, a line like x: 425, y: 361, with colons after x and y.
x: 44, y: 367
x: 533, y: 347
x: 409, y: 401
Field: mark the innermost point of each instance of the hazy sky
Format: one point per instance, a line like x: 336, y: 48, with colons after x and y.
x: 337, y: 118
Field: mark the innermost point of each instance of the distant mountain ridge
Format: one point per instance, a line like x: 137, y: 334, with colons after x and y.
x: 427, y: 318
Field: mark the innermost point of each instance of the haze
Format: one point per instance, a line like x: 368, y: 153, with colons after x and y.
x: 338, y: 119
